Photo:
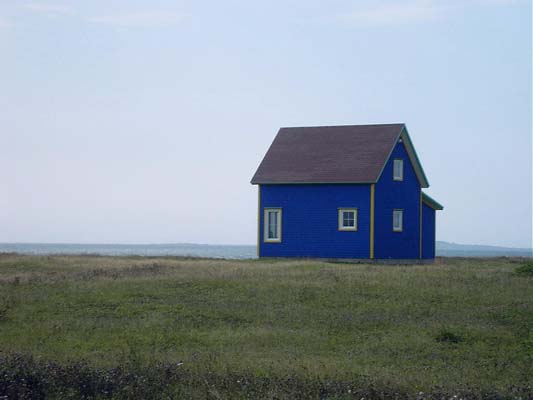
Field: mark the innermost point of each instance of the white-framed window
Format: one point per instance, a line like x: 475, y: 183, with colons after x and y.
x: 347, y: 219
x: 397, y: 220
x: 397, y: 173
x: 272, y: 225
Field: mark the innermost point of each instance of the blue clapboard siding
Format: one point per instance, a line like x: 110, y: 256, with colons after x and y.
x: 310, y: 220
x: 428, y: 232
x: 390, y: 195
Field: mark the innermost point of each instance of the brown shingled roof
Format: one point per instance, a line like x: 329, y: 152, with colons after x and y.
x: 332, y: 154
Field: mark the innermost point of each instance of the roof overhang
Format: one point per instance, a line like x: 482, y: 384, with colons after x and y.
x: 434, y: 204
x: 400, y: 133
x: 413, y: 157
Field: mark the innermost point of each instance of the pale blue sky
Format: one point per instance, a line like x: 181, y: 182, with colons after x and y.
x: 144, y: 121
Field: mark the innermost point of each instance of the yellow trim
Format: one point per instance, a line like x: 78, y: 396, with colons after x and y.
x: 258, y: 220
x: 420, y: 256
x: 435, y: 236
x: 372, y: 189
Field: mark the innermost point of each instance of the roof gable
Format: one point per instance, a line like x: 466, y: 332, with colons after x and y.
x: 333, y: 154
x: 413, y: 158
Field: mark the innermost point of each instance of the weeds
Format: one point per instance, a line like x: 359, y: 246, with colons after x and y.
x: 279, y: 328
x: 24, y: 377
x: 525, y: 269
x: 447, y: 336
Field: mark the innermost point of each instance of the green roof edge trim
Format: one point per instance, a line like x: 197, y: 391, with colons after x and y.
x: 417, y: 164
x: 434, y: 204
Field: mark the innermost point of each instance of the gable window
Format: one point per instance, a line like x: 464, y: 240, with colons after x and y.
x: 397, y: 174
x: 397, y: 220
x: 347, y: 219
x: 272, y: 225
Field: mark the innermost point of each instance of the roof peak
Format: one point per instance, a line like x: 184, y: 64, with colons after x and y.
x: 343, y: 126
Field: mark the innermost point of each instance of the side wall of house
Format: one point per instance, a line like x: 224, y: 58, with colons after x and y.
x: 391, y: 195
x: 310, y: 220
x: 428, y: 231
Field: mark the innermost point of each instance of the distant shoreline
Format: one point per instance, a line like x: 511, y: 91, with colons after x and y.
x: 444, y: 249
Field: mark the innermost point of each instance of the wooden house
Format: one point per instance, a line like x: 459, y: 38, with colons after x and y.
x: 350, y: 192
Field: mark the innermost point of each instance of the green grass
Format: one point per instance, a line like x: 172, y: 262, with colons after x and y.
x: 456, y: 325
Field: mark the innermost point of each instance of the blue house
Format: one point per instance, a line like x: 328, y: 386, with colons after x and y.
x: 350, y: 192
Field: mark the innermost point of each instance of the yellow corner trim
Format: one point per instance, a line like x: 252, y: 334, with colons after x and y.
x: 420, y: 256
x: 258, y: 220
x: 372, y: 190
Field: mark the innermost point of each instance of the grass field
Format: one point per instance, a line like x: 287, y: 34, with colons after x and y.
x: 263, y: 329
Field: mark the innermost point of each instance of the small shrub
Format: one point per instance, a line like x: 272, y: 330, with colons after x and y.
x: 447, y: 336
x: 525, y: 269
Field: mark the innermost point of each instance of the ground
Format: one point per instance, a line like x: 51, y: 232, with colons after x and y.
x: 263, y: 328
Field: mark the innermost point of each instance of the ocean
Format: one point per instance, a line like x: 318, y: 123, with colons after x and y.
x: 444, y: 249
x: 179, y: 249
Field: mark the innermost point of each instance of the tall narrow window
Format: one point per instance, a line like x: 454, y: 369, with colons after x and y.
x: 347, y: 219
x: 397, y: 220
x: 398, y: 170
x: 272, y: 224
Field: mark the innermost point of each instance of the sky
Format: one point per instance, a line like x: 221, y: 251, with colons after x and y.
x: 144, y: 121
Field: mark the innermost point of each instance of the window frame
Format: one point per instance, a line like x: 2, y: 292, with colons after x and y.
x: 340, y: 218
x: 266, y: 210
x: 400, y: 177
x: 400, y: 228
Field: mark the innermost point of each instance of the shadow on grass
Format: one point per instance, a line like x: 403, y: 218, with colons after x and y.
x: 25, y: 377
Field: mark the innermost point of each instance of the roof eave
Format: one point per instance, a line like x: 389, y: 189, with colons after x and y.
x: 311, y: 183
x: 417, y: 165
x: 434, y: 204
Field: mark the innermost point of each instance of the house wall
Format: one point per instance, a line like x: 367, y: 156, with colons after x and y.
x: 428, y: 231
x: 390, y: 195
x: 310, y: 220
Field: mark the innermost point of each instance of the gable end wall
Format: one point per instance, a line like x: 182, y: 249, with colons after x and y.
x: 392, y: 195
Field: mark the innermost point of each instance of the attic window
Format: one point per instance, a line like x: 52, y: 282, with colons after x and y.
x: 397, y: 173
x: 347, y: 219
x: 272, y: 224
